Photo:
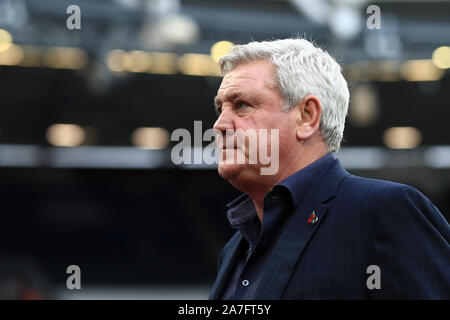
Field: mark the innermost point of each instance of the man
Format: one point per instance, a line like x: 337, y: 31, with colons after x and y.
x: 311, y: 230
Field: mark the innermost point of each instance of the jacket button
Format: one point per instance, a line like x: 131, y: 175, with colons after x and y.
x: 245, y: 283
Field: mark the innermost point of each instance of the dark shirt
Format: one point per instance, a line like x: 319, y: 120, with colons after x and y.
x: 279, y: 204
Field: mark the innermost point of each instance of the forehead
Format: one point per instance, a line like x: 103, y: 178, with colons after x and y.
x: 251, y: 76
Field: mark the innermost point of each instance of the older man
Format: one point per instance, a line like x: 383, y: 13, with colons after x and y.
x: 311, y: 230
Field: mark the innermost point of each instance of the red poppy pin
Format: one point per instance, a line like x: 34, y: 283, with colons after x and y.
x: 313, y: 218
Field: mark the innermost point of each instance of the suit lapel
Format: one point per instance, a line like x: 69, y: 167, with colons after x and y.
x: 297, y: 233
x: 230, y: 257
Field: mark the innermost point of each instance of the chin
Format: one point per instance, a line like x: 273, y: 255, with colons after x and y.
x: 240, y: 176
x: 229, y: 171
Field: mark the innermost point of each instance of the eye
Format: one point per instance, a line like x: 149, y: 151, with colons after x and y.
x: 241, y: 104
x: 218, y: 111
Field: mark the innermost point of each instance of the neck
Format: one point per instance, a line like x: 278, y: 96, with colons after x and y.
x: 259, y: 204
x: 302, y: 159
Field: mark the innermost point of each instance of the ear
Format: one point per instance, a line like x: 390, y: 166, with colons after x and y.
x: 309, y: 114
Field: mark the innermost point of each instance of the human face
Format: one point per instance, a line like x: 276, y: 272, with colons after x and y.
x: 249, y: 99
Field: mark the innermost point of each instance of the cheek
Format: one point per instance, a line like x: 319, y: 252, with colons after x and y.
x: 274, y: 136
x: 280, y: 121
x: 283, y: 122
x: 286, y: 131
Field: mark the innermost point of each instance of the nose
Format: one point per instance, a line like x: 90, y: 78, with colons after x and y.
x: 225, y: 121
x: 224, y: 126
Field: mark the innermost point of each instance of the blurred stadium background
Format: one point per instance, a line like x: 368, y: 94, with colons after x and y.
x: 86, y: 117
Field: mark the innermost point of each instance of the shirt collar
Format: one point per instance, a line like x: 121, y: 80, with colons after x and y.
x: 241, y: 210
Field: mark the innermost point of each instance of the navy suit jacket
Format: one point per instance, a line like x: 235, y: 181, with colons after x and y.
x: 361, y: 222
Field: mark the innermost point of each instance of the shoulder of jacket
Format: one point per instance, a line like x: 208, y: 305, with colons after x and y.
x: 371, y: 186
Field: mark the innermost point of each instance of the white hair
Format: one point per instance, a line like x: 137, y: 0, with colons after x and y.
x: 301, y: 69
